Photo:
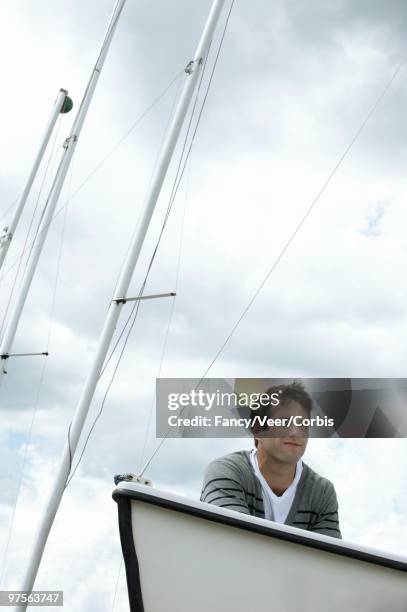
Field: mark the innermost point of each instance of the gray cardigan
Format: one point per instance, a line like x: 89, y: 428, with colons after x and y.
x: 230, y: 482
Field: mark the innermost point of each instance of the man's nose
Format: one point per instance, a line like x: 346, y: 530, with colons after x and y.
x: 296, y: 430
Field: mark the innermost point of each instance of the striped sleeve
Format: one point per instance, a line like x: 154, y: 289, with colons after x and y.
x: 327, y: 521
x: 223, y: 487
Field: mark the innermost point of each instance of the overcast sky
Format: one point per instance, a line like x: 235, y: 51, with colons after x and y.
x: 294, y: 83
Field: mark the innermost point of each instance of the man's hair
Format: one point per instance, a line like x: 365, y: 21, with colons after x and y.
x: 294, y: 392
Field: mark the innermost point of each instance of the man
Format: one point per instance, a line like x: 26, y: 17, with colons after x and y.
x: 272, y: 481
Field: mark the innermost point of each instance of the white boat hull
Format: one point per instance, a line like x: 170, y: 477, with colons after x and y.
x: 184, y: 556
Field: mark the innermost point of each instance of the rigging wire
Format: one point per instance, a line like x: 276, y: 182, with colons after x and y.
x: 59, y: 260
x: 159, y: 369
x: 41, y: 218
x: 10, y: 207
x: 305, y: 216
x: 39, y: 389
x: 172, y: 308
x: 171, y: 202
x: 135, y: 309
x: 100, y: 164
x: 141, y: 290
x: 20, y: 479
x: 189, y: 152
x: 116, y: 367
x: 134, y: 305
x: 289, y: 241
x: 180, y: 173
x: 112, y: 25
x: 117, y: 584
x: 178, y: 178
x: 13, y: 204
x: 53, y: 151
x: 174, y: 190
x: 133, y: 314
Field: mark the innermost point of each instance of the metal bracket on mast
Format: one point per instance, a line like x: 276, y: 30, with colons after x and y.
x: 143, y: 297
x: 5, y: 237
x: 67, y: 141
x: 189, y: 67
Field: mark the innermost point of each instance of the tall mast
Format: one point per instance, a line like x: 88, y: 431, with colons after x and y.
x: 62, y: 105
x: 69, y: 148
x: 191, y: 77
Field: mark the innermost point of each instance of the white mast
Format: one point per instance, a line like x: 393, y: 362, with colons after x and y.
x: 8, y: 232
x: 192, y: 74
x: 69, y: 146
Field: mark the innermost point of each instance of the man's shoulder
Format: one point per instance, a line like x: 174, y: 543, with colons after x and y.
x: 233, y: 464
x: 237, y: 459
x: 315, y: 480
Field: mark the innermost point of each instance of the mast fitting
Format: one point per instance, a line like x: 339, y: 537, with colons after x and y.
x: 6, y: 236
x: 67, y: 141
x: 189, y: 67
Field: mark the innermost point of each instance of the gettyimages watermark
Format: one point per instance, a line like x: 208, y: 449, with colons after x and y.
x: 221, y: 399
x: 277, y: 407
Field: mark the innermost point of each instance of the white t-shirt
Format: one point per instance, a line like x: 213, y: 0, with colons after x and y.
x: 276, y: 507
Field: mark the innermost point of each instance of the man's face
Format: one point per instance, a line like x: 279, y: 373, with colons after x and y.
x: 291, y: 446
